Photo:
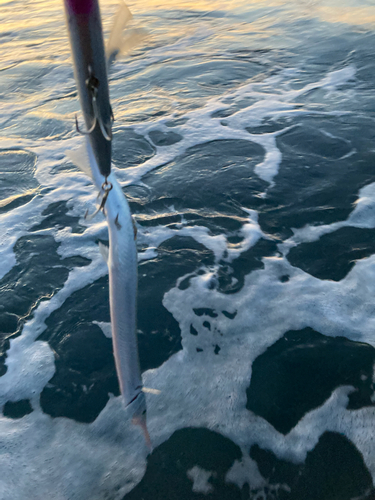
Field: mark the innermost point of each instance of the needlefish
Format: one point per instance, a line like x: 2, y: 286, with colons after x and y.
x: 121, y: 257
x: 94, y: 158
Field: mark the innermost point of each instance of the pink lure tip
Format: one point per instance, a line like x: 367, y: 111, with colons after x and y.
x: 81, y: 6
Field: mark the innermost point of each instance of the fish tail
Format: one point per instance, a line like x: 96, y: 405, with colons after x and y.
x: 141, y: 421
x: 140, y: 416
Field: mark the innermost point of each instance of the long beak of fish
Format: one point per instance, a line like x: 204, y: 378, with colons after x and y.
x: 141, y: 421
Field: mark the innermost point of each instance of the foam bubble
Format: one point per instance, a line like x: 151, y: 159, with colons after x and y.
x: 31, y: 364
x: 202, y: 126
x: 362, y: 216
x: 219, y: 403
x: 200, y: 479
x: 219, y: 245
x: 105, y: 328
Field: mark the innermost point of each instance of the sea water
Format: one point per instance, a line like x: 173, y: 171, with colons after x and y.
x: 244, y: 142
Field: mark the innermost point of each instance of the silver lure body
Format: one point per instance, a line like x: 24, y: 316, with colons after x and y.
x: 90, y: 71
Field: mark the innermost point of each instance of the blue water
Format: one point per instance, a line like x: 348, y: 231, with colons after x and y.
x: 244, y: 142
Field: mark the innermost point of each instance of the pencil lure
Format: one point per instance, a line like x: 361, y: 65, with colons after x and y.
x: 90, y: 72
x: 121, y: 257
x: 91, y: 61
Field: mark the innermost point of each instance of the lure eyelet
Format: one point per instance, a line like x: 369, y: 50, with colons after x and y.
x: 107, y: 186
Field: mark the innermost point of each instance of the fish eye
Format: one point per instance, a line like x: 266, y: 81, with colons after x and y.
x: 144, y: 412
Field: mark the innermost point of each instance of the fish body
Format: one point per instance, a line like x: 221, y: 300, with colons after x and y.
x: 90, y: 71
x: 121, y: 257
x: 122, y: 268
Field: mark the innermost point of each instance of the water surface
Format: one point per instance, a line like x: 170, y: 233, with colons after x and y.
x: 244, y: 141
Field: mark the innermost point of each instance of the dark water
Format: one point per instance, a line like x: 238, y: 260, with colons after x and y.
x: 244, y: 140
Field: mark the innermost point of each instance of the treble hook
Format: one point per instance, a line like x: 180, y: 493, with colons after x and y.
x: 107, y: 134
x: 92, y: 84
x: 85, y: 132
x: 106, y: 187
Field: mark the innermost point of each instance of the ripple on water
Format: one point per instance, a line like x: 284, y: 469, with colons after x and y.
x: 301, y: 370
x: 130, y: 149
x: 320, y: 185
x: 333, y: 470
x: 334, y: 254
x: 211, y: 175
x: 34, y: 278
x: 194, y: 463
x: 17, y: 181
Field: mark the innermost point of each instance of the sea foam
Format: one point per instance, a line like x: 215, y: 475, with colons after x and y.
x: 60, y: 458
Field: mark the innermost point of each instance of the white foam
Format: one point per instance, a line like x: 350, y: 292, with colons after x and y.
x: 62, y: 459
x: 362, y: 216
x: 202, y: 127
x: 200, y: 479
x: 219, y: 403
x: 219, y: 245
x: 245, y: 471
x: 30, y: 365
x: 105, y: 327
